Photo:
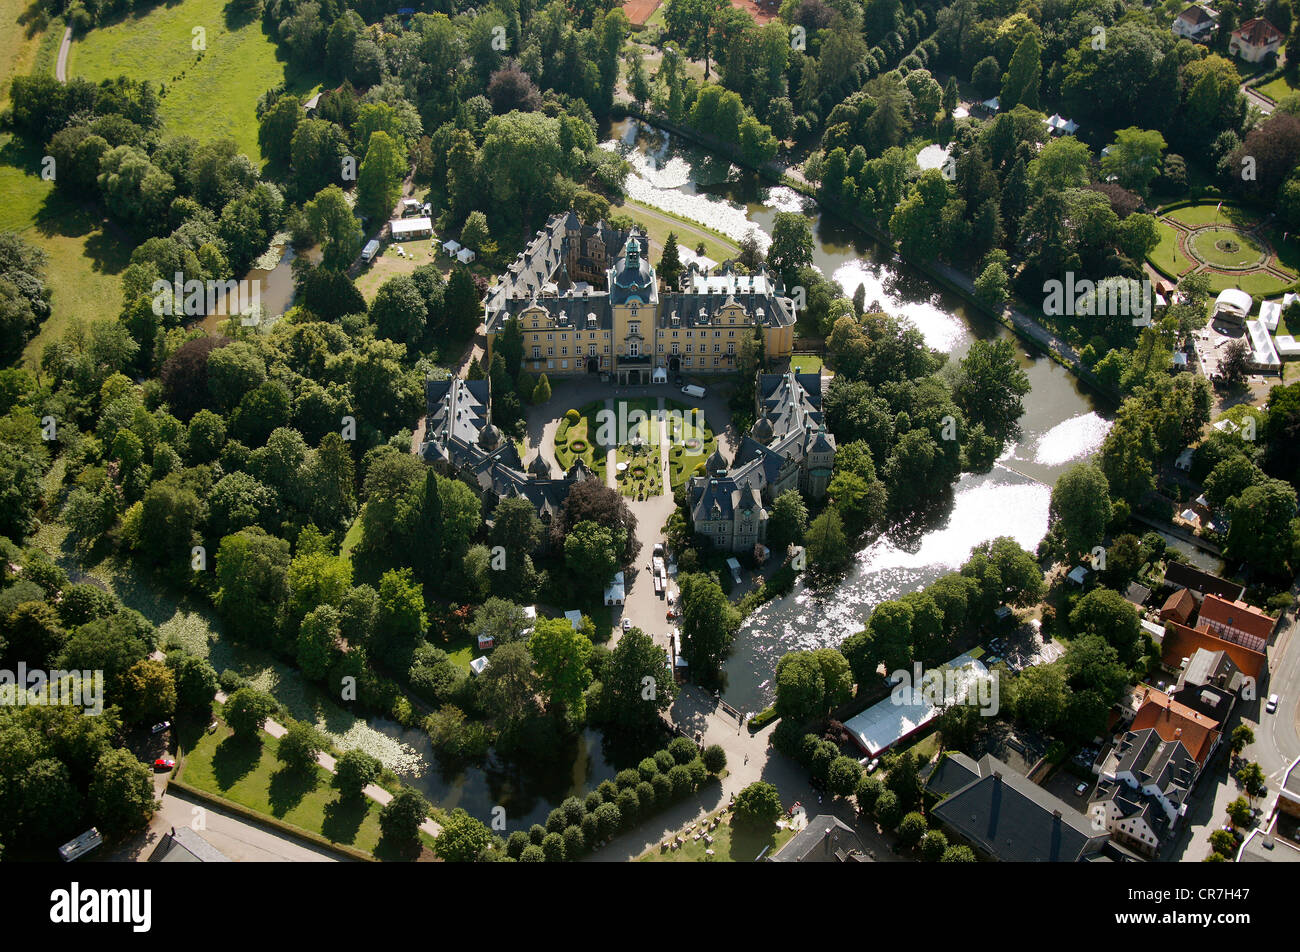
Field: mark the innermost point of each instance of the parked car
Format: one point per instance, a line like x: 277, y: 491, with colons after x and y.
x: 871, y: 767
x: 164, y: 763
x: 627, y: 623
x: 160, y: 727
x: 1081, y: 789
x: 1271, y: 706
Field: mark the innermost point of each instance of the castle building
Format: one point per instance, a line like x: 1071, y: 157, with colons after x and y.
x: 588, y: 301
x: 459, y: 435
x: 788, y: 447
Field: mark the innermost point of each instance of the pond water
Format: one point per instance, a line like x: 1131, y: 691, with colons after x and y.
x: 1061, y: 425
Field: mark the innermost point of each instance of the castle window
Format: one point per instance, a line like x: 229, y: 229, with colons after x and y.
x: 717, y: 348
x: 550, y: 352
x: 675, y: 347
x: 731, y: 348
x: 564, y: 352
x: 716, y: 361
x: 591, y: 350
x: 537, y: 351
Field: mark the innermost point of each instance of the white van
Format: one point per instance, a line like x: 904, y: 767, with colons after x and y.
x: 691, y: 390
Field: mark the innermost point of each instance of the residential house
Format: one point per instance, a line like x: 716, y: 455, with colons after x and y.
x: 1179, y: 607
x: 1182, y: 642
x: 1196, y: 23
x: 1148, y: 775
x: 1255, y: 39
x: 1236, y: 621
x: 1201, y: 583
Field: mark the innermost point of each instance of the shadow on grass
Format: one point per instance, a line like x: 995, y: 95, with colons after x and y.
x: 390, y: 851
x: 746, y: 843
x: 343, y: 818
x: 287, y: 788
x: 234, y: 759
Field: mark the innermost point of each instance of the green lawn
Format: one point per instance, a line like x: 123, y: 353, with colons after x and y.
x: 86, y: 254
x: 1221, y: 246
x: 1278, y: 89
x: 806, y: 364
x: 248, y: 774
x: 716, y: 246
x: 1208, y: 212
x: 730, y: 845
x: 22, y: 28
x: 210, y: 93
x: 1167, y: 254
x: 682, y: 462
x: 579, y: 440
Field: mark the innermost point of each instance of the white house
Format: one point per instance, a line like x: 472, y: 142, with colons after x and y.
x: 1255, y: 39
x: 1195, y: 23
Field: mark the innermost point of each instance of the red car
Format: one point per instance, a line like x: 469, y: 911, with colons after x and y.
x: 164, y: 763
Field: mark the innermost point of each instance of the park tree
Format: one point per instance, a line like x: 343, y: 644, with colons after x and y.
x: 560, y: 657
x: 1135, y: 158
x: 332, y: 222
x: 708, y: 623
x: 121, y: 793
x: 354, y: 771
x: 792, y: 245
x: 1080, y: 508
x: 246, y: 710
x: 828, y: 547
x: 991, y: 387
x: 758, y: 806
x: 1021, y: 81
x: 398, y: 310
x: 299, y: 746
x: 463, y: 839
x: 670, y: 264
x: 400, y: 819
x: 788, y: 521
x: 637, y: 685
x: 1261, y: 527
x: 150, y: 693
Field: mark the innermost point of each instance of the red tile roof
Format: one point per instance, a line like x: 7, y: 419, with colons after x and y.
x: 1177, y: 722
x: 1244, y: 618
x: 1258, y: 32
x: 1182, y: 642
x: 1179, y: 606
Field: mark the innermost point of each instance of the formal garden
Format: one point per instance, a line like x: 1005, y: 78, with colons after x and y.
x: 638, y: 460
x: 1229, y: 244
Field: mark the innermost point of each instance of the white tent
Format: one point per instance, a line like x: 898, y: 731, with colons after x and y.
x: 451, y: 246
x: 1270, y: 312
x: 1078, y: 574
x: 660, y: 375
x: 1262, y: 354
x: 479, y: 664
x: 1234, y: 303
x: 410, y: 228
x: 575, y: 619
x: 1286, y: 345
x: 465, y: 256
